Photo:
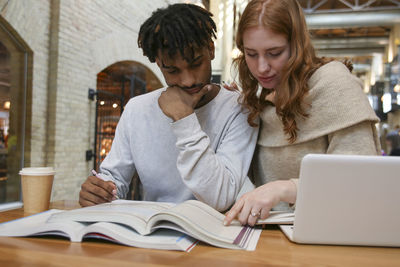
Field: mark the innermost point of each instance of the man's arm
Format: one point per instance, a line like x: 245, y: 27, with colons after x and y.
x: 116, y: 171
x: 118, y: 166
x: 215, y: 177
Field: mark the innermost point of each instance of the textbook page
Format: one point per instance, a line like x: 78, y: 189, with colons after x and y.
x: 191, y: 217
x: 133, y: 213
x: 159, y: 239
x: 36, y: 225
x: 275, y: 217
x: 206, y: 224
x: 278, y: 217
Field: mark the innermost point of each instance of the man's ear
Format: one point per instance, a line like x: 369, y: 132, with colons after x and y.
x: 211, y: 49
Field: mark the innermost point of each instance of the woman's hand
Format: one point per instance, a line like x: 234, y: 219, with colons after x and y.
x: 257, y: 203
x: 230, y: 86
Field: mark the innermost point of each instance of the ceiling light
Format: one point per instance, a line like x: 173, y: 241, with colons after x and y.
x: 7, y: 105
x: 397, y: 88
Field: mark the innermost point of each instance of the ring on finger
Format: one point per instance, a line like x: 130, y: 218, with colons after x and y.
x: 255, y: 214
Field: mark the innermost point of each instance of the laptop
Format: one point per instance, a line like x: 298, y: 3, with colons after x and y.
x: 347, y: 200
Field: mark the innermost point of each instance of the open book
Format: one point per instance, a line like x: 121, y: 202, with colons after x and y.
x: 143, y: 224
x: 278, y: 217
x: 37, y: 225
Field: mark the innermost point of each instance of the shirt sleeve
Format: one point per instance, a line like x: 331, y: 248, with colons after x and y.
x: 214, y: 177
x: 118, y: 166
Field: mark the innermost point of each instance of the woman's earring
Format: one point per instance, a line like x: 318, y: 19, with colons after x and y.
x: 259, y: 90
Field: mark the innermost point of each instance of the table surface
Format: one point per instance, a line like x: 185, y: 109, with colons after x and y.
x: 273, y: 249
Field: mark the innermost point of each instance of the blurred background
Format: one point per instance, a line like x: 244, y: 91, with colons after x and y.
x: 68, y: 67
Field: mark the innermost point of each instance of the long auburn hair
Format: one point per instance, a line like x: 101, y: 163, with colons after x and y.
x: 283, y: 17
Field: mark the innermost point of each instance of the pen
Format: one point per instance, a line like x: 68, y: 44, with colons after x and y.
x: 98, y: 176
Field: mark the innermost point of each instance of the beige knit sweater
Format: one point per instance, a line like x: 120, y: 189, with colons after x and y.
x: 341, y: 121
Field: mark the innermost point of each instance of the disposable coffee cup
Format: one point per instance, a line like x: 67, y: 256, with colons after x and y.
x: 37, y: 183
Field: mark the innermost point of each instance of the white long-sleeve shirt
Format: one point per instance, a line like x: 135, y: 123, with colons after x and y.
x: 204, y: 156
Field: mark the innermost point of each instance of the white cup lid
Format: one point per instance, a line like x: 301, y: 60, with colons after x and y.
x: 36, y: 171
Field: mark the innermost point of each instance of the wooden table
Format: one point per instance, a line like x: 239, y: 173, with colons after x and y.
x: 273, y: 249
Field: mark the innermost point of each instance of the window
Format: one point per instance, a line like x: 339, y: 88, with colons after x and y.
x: 14, y: 139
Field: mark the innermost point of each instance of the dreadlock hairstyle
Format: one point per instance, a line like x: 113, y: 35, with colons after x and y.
x: 284, y: 17
x: 179, y: 28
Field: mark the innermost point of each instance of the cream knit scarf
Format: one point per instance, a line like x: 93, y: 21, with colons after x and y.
x: 335, y: 105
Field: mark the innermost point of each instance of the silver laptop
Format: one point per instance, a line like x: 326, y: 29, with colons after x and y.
x: 347, y: 200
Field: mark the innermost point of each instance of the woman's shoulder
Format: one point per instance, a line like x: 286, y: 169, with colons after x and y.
x: 332, y: 67
x: 336, y: 101
x: 333, y: 72
x: 334, y: 79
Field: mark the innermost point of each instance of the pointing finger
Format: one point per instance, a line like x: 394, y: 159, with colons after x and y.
x: 234, y: 211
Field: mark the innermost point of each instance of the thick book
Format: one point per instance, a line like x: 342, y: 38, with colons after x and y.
x: 145, y: 224
x: 278, y: 217
x: 38, y: 225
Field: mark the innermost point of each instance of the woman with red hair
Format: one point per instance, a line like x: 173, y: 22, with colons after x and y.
x: 306, y: 104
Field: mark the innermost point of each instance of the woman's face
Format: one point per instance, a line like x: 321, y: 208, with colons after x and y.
x: 266, y: 54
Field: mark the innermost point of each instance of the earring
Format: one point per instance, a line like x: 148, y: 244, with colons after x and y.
x: 259, y: 90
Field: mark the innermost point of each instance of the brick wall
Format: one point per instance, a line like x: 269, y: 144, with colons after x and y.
x: 30, y: 19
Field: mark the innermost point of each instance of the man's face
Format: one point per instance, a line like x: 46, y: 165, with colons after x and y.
x: 189, y: 74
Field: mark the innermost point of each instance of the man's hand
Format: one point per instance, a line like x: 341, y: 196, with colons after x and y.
x: 96, y: 191
x: 177, y: 104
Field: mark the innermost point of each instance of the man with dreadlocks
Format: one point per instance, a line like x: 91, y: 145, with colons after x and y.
x: 189, y: 140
